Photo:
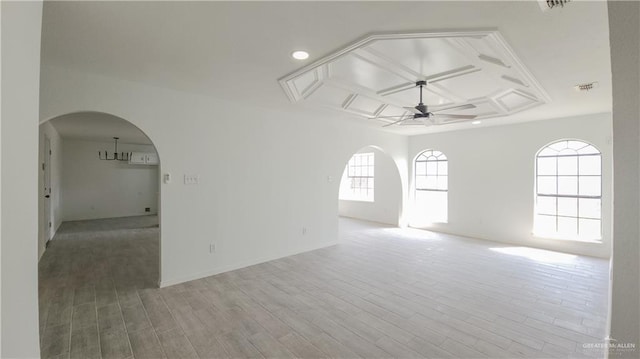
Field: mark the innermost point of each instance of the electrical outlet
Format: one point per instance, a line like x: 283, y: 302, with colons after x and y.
x: 147, y: 209
x: 212, y: 248
x: 191, y: 179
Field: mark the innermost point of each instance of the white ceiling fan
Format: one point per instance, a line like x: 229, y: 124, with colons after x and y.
x: 421, y: 113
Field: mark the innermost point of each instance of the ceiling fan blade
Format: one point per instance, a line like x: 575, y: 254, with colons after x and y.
x: 416, y: 122
x: 396, y: 122
x: 461, y: 107
x: 396, y: 116
x: 412, y: 109
x: 461, y: 117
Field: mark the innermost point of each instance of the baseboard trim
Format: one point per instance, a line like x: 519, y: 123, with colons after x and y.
x: 228, y: 268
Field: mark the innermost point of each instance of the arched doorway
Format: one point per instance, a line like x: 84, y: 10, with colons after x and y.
x: 371, y: 188
x: 99, y: 228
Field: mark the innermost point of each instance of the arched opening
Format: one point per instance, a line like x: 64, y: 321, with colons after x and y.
x: 370, y: 187
x: 99, y: 227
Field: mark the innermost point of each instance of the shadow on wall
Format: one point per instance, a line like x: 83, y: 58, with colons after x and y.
x: 370, y: 187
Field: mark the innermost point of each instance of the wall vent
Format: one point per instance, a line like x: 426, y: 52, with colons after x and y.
x: 587, y: 86
x: 546, y: 5
x: 555, y: 3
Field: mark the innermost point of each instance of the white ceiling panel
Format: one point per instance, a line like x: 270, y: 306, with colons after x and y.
x: 460, y: 68
x: 356, y: 71
x: 470, y: 86
x: 425, y: 57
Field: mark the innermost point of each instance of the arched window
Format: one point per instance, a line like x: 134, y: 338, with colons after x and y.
x: 431, y: 187
x: 568, y: 191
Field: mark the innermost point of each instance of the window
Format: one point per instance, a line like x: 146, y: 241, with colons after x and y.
x: 568, y: 191
x: 431, y: 187
x: 357, y: 180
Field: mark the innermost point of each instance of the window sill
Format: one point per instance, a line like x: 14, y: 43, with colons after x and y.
x: 357, y: 200
x: 579, y: 240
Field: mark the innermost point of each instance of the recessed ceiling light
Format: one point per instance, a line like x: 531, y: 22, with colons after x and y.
x: 476, y: 122
x: 300, y: 55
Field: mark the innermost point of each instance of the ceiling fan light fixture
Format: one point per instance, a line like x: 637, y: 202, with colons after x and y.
x: 300, y: 55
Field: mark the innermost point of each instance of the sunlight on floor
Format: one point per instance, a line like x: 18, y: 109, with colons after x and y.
x: 539, y: 255
x: 413, y: 234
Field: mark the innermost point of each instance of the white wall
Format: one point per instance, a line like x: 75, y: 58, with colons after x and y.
x: 624, y: 23
x: 92, y: 188
x: 386, y: 207
x: 491, y: 178
x: 262, y: 179
x: 48, y: 131
x: 21, y: 28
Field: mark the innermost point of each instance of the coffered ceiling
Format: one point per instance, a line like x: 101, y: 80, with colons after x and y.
x: 468, y: 73
x: 522, y: 66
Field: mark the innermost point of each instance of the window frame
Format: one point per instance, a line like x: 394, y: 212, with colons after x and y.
x: 578, y: 197
x: 351, y: 179
x: 438, y: 157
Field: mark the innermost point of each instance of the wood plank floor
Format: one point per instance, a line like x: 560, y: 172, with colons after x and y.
x: 382, y: 293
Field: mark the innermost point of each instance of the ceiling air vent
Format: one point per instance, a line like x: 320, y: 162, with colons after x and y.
x: 586, y: 86
x: 550, y: 4
x: 554, y: 3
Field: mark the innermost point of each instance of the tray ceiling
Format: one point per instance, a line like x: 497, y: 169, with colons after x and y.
x: 375, y: 77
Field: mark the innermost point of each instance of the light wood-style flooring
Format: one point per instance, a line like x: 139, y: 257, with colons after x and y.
x: 382, y: 293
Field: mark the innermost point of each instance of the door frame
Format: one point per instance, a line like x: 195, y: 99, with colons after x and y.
x: 47, y: 223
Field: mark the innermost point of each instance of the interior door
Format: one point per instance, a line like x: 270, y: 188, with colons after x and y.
x: 46, y: 172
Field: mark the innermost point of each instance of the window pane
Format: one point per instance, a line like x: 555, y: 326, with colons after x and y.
x: 431, y: 182
x: 421, y: 182
x: 443, y: 168
x: 547, y: 152
x: 568, y: 207
x: 547, y: 165
x: 568, y: 226
x: 442, y: 182
x: 576, y: 145
x: 588, y: 150
x: 567, y: 152
x: 545, y: 224
x: 568, y: 165
x: 590, y: 165
x: 546, y: 205
x: 432, y: 168
x: 568, y: 185
x: 590, y: 186
x: 430, y: 207
x: 421, y: 168
x: 589, y: 208
x: 590, y: 228
x: 558, y: 146
x: 547, y: 185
